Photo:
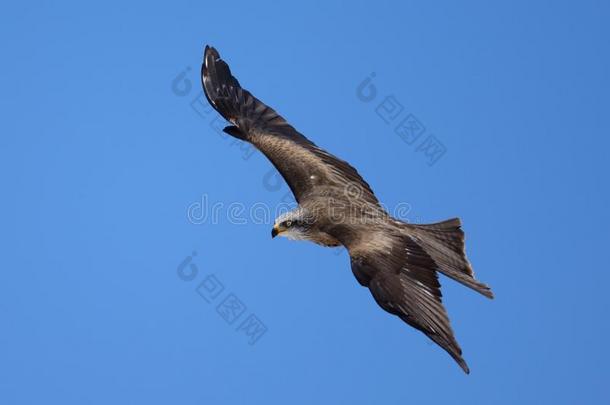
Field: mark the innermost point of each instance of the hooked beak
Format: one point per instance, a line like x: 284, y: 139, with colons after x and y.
x: 274, y: 232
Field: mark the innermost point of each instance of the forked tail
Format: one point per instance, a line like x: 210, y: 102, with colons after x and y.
x: 444, y: 242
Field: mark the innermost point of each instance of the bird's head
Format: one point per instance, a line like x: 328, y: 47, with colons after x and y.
x: 292, y: 225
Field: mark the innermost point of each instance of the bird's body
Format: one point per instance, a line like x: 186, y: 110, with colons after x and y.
x: 397, y: 261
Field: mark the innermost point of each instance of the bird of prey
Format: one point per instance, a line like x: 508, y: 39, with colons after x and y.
x: 399, y: 262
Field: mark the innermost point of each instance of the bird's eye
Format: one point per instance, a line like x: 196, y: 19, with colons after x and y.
x: 288, y: 224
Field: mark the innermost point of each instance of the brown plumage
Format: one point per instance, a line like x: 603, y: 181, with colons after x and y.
x: 397, y: 261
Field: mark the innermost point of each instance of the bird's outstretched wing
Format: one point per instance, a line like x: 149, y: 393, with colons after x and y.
x: 402, y: 278
x: 303, y: 165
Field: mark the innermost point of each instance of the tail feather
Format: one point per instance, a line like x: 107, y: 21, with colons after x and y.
x: 444, y: 242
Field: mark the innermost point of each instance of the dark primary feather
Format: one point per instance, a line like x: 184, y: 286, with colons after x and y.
x: 303, y: 165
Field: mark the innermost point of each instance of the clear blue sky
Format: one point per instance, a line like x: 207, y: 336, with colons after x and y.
x: 102, y: 152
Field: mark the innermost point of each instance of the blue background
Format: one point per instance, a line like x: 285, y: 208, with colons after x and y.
x: 102, y: 153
